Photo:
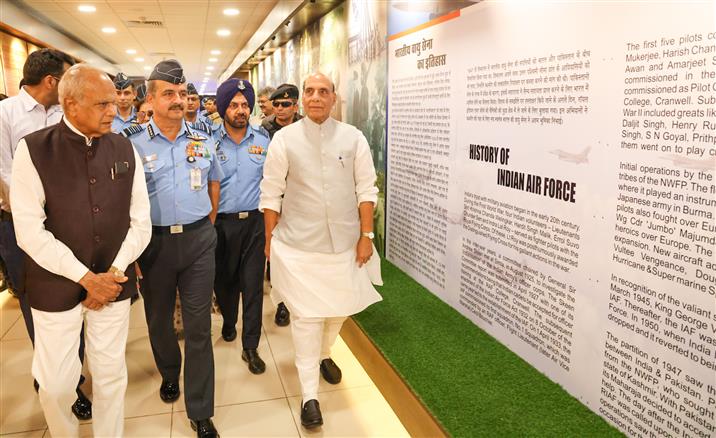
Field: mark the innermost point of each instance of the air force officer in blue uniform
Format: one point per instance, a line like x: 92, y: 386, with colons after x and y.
x: 241, y: 150
x: 183, y: 179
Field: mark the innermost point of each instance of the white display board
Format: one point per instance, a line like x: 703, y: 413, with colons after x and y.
x: 551, y: 175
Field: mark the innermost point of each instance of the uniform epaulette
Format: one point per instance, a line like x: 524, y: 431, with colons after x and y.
x: 134, y: 128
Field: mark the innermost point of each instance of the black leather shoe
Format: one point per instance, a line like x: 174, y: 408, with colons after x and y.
x: 330, y: 371
x: 283, y: 316
x: 311, y: 415
x: 204, y: 428
x: 169, y: 391
x: 256, y: 365
x: 228, y: 332
x: 82, y: 407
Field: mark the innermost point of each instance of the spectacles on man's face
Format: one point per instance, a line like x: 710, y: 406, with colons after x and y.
x: 283, y: 104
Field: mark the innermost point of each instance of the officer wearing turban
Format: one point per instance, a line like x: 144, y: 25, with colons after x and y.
x: 241, y: 150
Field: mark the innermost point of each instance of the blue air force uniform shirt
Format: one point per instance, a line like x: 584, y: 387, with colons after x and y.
x: 177, y: 172
x: 243, y: 166
x: 119, y: 124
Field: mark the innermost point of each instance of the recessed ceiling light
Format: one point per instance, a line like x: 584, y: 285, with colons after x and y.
x: 213, y: 59
x: 223, y: 32
x: 139, y: 59
x: 207, y: 73
x: 231, y: 12
x: 131, y: 51
x: 209, y: 67
x: 215, y: 52
x: 109, y: 30
x: 147, y: 68
x: 86, y: 8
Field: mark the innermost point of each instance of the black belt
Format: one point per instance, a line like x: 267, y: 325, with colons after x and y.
x: 239, y: 215
x: 178, y: 229
x: 5, y: 216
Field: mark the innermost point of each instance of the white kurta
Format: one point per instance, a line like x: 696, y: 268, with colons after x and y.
x: 314, y: 284
x: 316, y: 176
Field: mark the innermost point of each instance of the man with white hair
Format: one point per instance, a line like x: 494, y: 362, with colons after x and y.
x: 81, y: 214
x: 317, y: 196
x: 36, y: 106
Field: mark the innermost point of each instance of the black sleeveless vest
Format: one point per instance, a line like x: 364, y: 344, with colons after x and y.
x: 87, y: 209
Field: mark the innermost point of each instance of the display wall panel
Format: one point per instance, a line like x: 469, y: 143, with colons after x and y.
x: 554, y: 183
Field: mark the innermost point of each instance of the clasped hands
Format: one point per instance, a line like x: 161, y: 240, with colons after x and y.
x: 102, y: 289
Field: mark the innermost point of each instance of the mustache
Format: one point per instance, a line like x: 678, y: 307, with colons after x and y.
x: 176, y: 106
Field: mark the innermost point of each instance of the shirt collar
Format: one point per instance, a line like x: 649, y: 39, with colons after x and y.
x: 132, y: 115
x: 249, y: 132
x: 326, y: 123
x: 88, y: 140
x: 154, y: 129
x: 29, y: 103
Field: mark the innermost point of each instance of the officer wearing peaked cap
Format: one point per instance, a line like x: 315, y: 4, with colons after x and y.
x: 210, y: 115
x: 183, y: 179
x: 285, y: 109
x: 241, y: 150
x: 142, y: 92
x: 126, y: 114
x: 191, y: 114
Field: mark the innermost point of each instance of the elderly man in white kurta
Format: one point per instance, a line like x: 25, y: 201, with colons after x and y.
x: 317, y: 195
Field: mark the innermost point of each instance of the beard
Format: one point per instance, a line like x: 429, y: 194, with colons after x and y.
x: 238, y: 122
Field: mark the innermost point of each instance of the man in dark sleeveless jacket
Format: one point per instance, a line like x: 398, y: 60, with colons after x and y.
x: 81, y: 214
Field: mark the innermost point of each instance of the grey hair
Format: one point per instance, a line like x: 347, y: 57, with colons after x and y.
x: 330, y: 79
x: 73, y: 82
x: 266, y: 91
x: 151, y: 87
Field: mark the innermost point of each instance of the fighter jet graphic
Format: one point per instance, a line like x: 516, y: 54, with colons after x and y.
x: 572, y: 157
x: 691, y: 163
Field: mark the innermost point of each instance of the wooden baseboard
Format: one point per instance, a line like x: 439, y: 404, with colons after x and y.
x: 416, y: 419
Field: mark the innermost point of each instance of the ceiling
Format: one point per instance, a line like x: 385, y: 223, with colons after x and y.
x: 185, y: 30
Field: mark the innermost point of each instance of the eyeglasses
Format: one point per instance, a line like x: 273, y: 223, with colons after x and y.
x: 149, y: 113
x: 283, y: 104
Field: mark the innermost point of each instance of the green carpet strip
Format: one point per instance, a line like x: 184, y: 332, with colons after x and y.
x: 471, y: 383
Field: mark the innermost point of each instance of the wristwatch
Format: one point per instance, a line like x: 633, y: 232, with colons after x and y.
x: 368, y: 234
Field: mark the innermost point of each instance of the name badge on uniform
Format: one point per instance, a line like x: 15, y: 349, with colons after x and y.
x: 221, y: 155
x: 148, y: 160
x: 195, y: 178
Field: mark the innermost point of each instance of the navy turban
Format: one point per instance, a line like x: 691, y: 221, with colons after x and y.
x: 228, y: 90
